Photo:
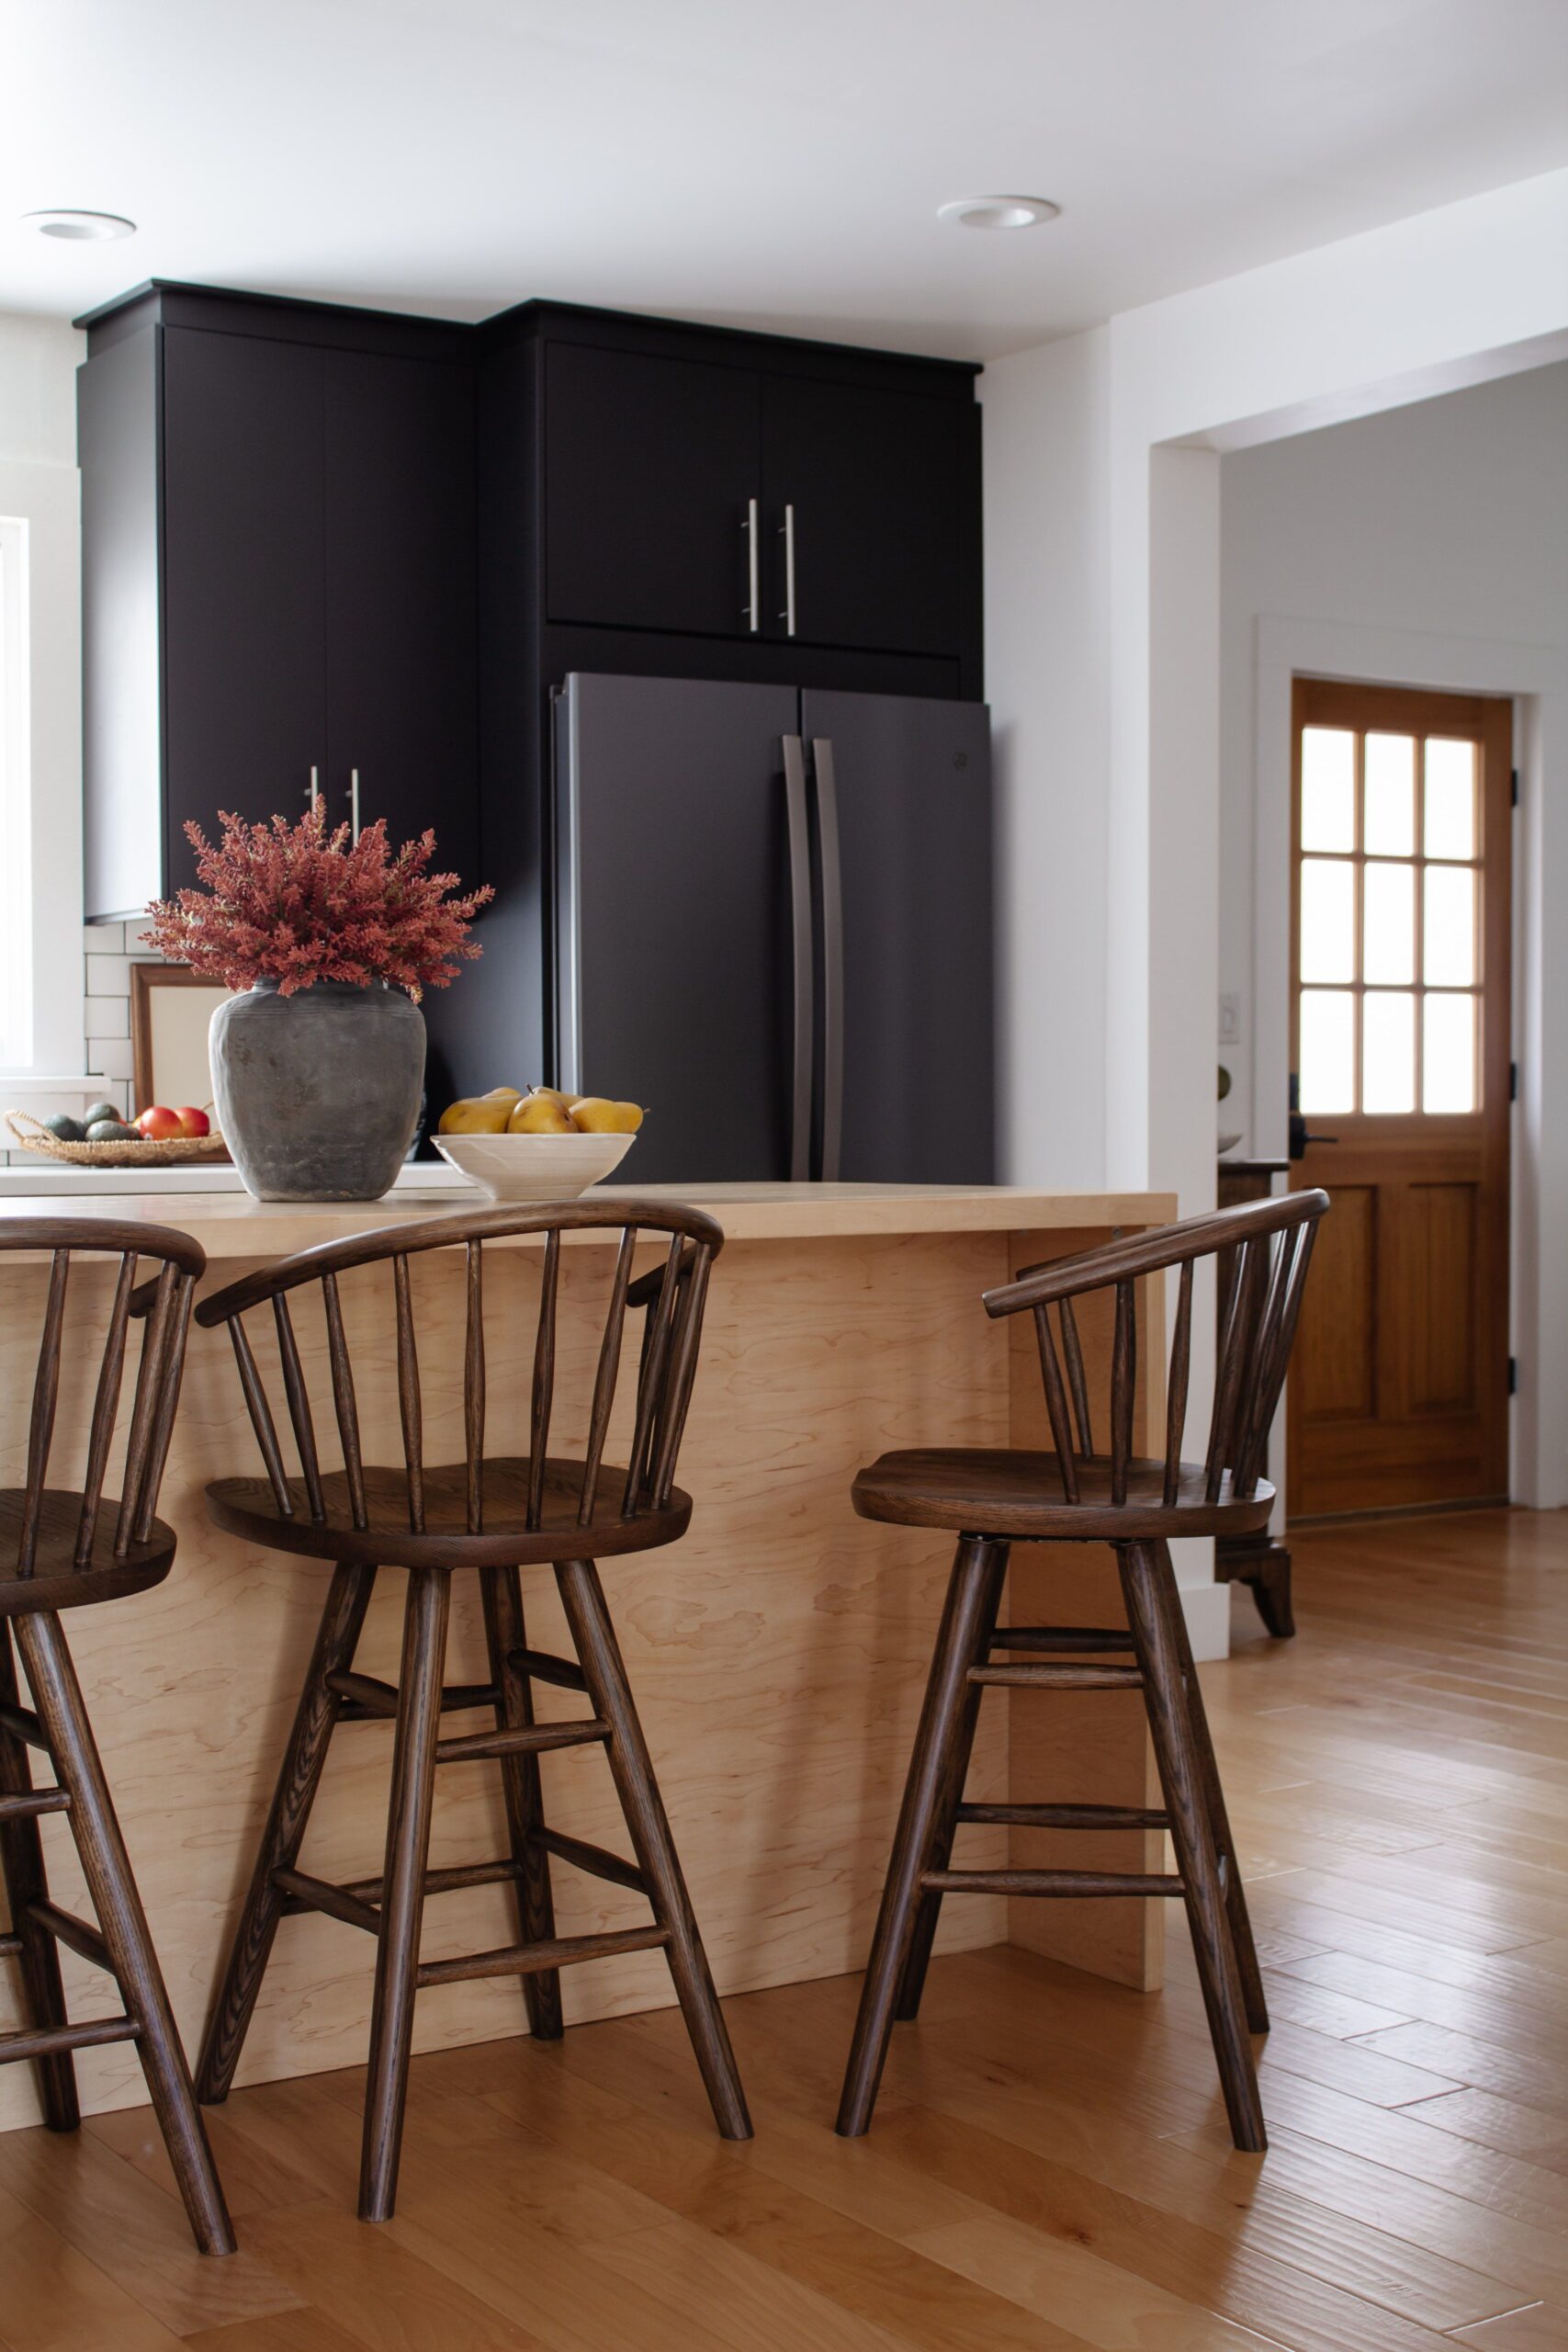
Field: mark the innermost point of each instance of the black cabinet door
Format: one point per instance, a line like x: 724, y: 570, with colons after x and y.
x: 650, y: 464
x: 400, y: 621
x: 245, y: 679
x: 874, y: 479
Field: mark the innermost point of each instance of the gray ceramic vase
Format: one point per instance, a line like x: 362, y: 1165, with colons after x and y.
x: 318, y: 1092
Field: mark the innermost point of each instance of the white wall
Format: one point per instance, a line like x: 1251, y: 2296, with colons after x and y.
x: 38, y: 484
x: 1474, y: 291
x: 1450, y: 517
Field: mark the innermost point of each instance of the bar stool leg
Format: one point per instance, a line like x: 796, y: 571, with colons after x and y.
x: 501, y: 1593
x: 583, y: 1597
x: 21, y: 1868
x: 1144, y: 1572
x: 951, y: 1796
x: 402, y: 1887
x: 336, y: 1640
x: 106, y: 1868
x: 1219, y: 1820
x: 968, y: 1623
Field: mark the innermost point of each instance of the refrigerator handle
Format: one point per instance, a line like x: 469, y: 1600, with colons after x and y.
x: 833, y: 958
x: 800, y: 927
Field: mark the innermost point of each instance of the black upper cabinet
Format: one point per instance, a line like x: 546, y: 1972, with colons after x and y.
x: 279, y: 561
x: 860, y: 490
x: 401, y: 619
x: 649, y: 466
x: 244, y: 646
x: 689, y: 475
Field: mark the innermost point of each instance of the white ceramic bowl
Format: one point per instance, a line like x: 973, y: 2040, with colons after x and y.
x: 534, y: 1168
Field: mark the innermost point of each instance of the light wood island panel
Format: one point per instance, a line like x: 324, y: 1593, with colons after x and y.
x: 778, y: 1652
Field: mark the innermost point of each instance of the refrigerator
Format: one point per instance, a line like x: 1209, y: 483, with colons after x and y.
x: 772, y: 928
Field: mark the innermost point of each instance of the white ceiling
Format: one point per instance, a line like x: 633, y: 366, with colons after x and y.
x: 764, y: 162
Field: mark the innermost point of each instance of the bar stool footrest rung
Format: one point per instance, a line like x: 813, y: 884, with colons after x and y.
x: 1062, y: 1638
x: 527, y: 1739
x: 52, y: 2041
x: 25, y: 1804
x: 1068, y: 1816
x: 557, y: 1952
x: 1050, y: 1882
x: 1054, y: 1676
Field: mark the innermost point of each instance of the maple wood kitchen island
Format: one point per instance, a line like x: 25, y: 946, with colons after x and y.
x: 778, y: 1652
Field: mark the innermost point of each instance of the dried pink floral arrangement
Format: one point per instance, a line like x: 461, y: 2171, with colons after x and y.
x: 296, y: 904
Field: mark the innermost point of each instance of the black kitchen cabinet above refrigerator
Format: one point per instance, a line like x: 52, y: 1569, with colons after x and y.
x: 279, y: 580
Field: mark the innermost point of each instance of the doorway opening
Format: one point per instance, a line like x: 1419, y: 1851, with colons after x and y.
x: 1400, y: 1059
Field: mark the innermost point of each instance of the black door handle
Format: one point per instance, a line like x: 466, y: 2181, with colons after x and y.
x: 1299, y: 1137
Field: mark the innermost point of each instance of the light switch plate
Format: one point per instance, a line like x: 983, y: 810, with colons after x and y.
x: 1230, y: 1019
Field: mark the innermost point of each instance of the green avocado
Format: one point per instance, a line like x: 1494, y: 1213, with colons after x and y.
x: 102, y: 1110
x: 63, y: 1128
x: 112, y: 1131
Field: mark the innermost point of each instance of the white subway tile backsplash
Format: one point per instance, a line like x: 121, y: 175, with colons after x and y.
x: 109, y: 1056
x: 102, y: 938
x: 107, y: 1016
x: 108, y: 976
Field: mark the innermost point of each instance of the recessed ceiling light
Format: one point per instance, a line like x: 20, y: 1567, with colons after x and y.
x: 998, y: 211
x: 80, y: 228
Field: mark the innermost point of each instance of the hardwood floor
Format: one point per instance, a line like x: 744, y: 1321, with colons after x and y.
x: 1050, y: 2164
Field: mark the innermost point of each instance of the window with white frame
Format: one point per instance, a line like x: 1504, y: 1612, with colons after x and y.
x: 15, y: 803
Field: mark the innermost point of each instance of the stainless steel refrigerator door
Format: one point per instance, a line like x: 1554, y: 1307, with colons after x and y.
x: 675, y: 956
x: 905, y: 939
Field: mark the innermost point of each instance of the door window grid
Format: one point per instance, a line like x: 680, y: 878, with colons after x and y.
x: 1387, y: 921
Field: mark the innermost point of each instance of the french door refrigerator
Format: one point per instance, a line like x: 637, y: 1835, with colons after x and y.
x: 773, y: 927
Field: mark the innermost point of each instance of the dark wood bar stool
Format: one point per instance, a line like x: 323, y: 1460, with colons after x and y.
x: 68, y: 1548
x: 996, y: 1498
x: 493, y: 1515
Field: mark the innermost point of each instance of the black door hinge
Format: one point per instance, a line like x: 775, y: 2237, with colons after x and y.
x: 1514, y: 788
x: 1513, y: 1375
x: 1513, y: 1082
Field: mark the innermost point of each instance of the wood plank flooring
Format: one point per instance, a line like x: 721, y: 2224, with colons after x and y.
x: 1049, y: 2166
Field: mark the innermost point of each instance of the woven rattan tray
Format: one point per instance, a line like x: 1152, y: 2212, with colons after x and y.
x: 173, y: 1151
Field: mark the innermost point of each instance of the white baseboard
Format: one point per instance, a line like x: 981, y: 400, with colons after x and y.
x: 1207, y: 1607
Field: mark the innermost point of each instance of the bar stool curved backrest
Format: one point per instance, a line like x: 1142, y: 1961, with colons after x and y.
x: 672, y: 1295
x: 1265, y: 1248
x: 62, y: 1547
x: 49, y: 1532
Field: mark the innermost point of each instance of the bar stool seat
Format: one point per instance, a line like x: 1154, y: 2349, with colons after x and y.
x: 248, y: 1508
x: 1011, y: 1494
x: 56, y: 1579
x: 995, y: 1497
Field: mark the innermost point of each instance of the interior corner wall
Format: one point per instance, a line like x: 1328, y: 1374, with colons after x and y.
x: 1046, y: 661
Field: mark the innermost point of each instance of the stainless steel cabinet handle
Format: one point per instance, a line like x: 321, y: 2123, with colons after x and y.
x: 833, y: 958
x: 754, y: 606
x: 314, y: 789
x: 786, y: 533
x: 800, y: 925
x: 353, y: 803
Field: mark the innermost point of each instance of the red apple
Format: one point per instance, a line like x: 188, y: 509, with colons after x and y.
x: 193, y: 1123
x: 158, y: 1124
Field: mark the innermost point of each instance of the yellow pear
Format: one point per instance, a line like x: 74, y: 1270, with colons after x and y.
x: 554, y: 1094
x: 471, y: 1117
x: 538, y: 1114
x: 502, y: 1095
x: 593, y: 1114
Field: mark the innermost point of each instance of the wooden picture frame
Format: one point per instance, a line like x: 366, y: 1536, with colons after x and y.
x: 165, y: 1054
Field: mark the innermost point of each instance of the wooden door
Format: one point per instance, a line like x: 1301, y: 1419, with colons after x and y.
x: 875, y: 480
x: 1400, y: 941
x: 401, y: 622
x: 650, y: 464
x: 243, y: 583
